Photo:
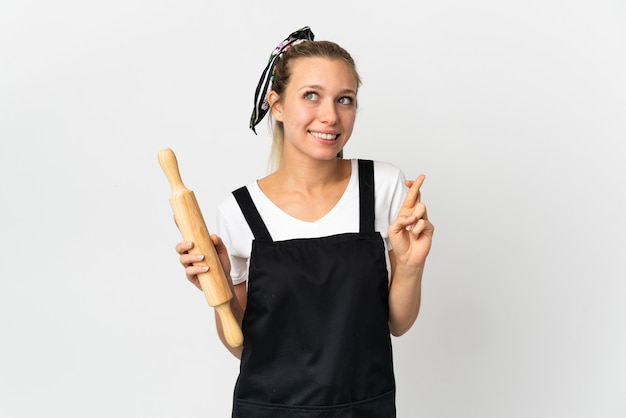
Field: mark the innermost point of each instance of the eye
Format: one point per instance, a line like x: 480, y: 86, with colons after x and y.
x: 346, y: 100
x: 311, y: 95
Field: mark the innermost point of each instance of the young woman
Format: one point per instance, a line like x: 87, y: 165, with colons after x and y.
x: 326, y: 254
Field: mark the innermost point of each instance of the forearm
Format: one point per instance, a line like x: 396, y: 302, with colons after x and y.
x: 237, y: 306
x: 405, y: 293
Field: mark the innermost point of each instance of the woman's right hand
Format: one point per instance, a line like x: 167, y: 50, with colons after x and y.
x: 187, y: 260
x: 238, y: 302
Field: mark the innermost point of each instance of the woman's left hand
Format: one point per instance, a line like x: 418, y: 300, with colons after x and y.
x: 411, y: 233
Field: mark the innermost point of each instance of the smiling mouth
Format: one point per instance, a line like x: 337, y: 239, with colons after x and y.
x: 326, y: 137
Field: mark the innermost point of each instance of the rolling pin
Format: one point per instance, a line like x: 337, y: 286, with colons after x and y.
x: 191, y: 224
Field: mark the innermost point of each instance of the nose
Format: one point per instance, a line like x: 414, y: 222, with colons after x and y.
x: 328, y: 112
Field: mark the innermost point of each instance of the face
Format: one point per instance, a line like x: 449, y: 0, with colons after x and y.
x: 317, y: 108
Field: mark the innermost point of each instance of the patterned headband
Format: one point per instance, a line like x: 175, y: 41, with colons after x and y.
x: 261, y: 106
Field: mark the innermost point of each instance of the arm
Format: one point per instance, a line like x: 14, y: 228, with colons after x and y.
x: 411, y: 237
x: 405, y: 294
x: 237, y: 303
x: 238, y: 306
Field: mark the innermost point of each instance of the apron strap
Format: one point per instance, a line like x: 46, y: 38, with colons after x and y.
x: 250, y: 212
x: 366, y: 204
x: 366, y: 196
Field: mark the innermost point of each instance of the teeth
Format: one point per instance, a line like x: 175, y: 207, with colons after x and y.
x: 328, y: 137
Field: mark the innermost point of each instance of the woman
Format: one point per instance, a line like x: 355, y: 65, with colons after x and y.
x: 326, y: 255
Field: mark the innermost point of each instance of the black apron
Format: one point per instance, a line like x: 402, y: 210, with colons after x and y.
x: 316, y: 334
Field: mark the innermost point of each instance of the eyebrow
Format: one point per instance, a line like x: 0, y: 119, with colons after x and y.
x: 318, y: 87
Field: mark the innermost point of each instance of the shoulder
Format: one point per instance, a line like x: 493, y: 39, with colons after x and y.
x: 229, y: 203
x: 387, y: 175
x: 389, y: 184
x: 227, y: 206
x: 231, y: 223
x: 382, y: 168
x: 387, y: 170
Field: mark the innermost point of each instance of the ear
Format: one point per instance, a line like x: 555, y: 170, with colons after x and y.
x: 273, y: 99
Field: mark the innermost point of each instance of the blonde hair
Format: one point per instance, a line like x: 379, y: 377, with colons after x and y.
x: 307, y: 49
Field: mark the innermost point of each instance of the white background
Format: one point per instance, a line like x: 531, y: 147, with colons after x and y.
x: 516, y: 112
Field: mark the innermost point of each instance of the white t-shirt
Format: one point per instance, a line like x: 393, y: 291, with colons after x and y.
x: 232, y: 227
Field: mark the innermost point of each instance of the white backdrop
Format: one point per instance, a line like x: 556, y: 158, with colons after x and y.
x: 516, y: 112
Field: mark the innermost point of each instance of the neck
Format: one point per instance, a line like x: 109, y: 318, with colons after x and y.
x: 311, y: 174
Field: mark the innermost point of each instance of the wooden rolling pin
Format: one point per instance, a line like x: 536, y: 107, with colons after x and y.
x: 191, y: 224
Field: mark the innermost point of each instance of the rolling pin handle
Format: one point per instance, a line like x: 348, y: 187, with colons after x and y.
x: 169, y: 164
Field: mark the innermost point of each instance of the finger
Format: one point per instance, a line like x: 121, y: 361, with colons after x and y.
x: 422, y: 227
x: 183, y: 247
x: 418, y: 228
x: 190, y: 259
x: 217, y: 241
x: 402, y: 222
x: 420, y: 211
x: 220, y: 248
x: 193, y: 271
x: 413, y: 195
